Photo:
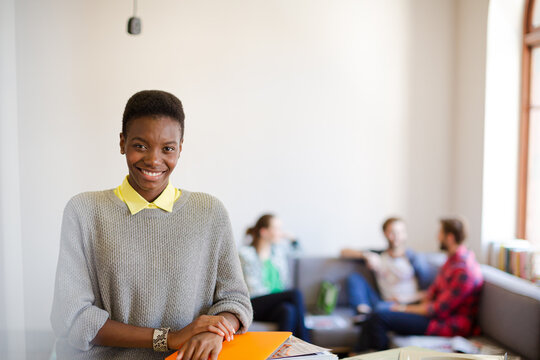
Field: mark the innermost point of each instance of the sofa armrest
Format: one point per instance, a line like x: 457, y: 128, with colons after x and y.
x: 509, y: 312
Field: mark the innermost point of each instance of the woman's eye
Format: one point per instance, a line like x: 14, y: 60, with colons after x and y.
x: 168, y: 148
x: 139, y: 146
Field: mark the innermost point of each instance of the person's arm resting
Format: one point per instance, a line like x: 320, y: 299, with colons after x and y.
x: 117, y: 334
x: 114, y: 333
x: 231, y: 294
x: 451, y: 296
x: 74, y: 317
x: 351, y: 254
x: 419, y: 309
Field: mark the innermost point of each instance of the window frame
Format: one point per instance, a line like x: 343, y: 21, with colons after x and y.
x: 531, y: 39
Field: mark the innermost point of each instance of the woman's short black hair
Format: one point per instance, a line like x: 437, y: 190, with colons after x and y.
x: 153, y: 103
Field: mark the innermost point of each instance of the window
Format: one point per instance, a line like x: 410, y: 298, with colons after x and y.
x: 529, y: 162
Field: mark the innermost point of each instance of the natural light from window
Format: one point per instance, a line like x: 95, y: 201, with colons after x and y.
x: 533, y: 171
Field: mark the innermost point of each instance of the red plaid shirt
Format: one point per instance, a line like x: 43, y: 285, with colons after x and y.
x: 454, y: 296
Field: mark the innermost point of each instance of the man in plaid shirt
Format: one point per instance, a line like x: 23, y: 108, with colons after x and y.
x: 450, y: 305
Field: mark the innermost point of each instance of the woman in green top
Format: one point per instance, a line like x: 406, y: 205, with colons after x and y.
x: 266, y: 270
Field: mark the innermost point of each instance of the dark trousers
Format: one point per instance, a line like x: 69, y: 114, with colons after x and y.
x: 286, y: 308
x: 382, y: 319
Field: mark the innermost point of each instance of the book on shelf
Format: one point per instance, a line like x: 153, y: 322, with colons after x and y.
x: 518, y: 257
x: 269, y: 345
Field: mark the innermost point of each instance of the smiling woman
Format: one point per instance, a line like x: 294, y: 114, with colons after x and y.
x: 147, y: 268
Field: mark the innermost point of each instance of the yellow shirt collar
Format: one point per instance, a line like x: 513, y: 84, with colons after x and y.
x: 136, y: 202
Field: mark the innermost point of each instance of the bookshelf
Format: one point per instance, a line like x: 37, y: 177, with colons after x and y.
x: 517, y: 257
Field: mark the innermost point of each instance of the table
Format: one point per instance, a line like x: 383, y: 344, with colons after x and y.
x: 392, y: 354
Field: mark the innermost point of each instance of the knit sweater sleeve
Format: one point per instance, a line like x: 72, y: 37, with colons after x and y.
x: 231, y: 294
x: 74, y: 317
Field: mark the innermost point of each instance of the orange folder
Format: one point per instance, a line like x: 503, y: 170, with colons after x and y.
x: 256, y: 345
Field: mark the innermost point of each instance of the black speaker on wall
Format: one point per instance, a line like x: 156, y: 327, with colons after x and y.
x: 134, y: 23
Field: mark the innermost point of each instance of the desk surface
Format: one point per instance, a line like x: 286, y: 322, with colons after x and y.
x: 392, y: 354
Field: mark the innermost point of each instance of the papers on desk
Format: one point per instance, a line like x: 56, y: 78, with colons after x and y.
x: 440, y: 343
x: 296, y: 349
x: 408, y: 354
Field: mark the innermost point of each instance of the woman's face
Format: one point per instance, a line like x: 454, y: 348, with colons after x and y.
x: 152, y: 147
x: 274, y: 232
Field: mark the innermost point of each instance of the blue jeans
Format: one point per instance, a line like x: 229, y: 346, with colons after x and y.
x: 360, y: 292
x: 382, y: 319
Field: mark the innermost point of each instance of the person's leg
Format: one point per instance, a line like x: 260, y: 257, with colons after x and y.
x: 383, y: 306
x: 286, y: 316
x: 383, y: 320
x: 298, y: 301
x: 287, y: 308
x: 360, y: 292
x: 263, y: 306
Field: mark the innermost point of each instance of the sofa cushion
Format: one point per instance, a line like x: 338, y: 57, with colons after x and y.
x: 341, y: 338
x: 509, y: 312
x: 310, y: 272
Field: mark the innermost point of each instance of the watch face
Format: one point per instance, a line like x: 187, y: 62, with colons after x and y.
x: 134, y: 26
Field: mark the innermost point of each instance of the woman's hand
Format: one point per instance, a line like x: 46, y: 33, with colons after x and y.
x: 398, y: 307
x: 215, y: 324
x: 203, y: 346
x: 218, y: 325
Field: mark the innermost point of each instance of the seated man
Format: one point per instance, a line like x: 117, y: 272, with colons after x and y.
x: 450, y: 305
x: 399, y: 272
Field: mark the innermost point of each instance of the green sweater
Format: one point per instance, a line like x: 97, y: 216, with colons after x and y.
x: 151, y: 269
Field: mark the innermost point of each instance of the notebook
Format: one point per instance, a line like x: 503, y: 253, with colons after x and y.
x: 257, y: 345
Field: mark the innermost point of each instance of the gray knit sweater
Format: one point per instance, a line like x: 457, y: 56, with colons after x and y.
x: 151, y: 269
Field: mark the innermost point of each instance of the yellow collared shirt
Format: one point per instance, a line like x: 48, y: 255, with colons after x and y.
x: 136, y: 202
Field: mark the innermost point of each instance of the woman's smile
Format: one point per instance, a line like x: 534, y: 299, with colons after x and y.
x: 151, y: 174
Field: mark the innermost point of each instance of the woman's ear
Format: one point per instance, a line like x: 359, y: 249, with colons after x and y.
x: 122, y: 143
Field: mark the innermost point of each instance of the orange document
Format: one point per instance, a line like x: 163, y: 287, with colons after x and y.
x: 256, y: 345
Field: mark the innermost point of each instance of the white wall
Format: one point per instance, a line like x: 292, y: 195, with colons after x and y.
x: 428, y: 96
x: 468, y: 124
x: 332, y: 114
x: 12, y: 324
